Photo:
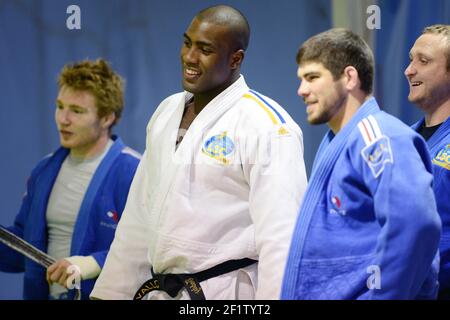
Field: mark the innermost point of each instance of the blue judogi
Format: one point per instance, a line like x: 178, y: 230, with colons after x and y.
x: 368, y: 227
x: 439, y: 146
x: 96, y: 222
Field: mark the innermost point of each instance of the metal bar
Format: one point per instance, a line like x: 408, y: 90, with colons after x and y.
x: 18, y: 244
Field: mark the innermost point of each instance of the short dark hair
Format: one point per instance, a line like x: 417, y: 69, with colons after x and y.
x: 337, y: 49
x: 229, y: 17
x: 98, y: 78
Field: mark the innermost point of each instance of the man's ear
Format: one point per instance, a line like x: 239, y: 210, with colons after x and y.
x: 351, y: 77
x: 237, y: 58
x: 107, y: 120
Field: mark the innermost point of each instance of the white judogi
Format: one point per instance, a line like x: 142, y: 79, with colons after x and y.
x: 232, y: 189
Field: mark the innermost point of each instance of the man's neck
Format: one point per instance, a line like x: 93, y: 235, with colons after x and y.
x: 437, y: 115
x: 202, y: 99
x: 348, y: 109
x: 91, y: 151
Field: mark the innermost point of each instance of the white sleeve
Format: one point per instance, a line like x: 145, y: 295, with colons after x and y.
x: 277, y: 181
x: 127, y: 265
x: 88, y: 266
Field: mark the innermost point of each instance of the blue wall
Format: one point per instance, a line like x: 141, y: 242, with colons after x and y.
x: 142, y: 40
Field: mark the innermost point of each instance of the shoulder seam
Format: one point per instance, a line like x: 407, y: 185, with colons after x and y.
x: 273, y: 114
x: 369, y: 129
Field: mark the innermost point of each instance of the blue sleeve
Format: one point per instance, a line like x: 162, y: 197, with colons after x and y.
x: 11, y: 260
x: 398, y: 173
x: 100, y: 257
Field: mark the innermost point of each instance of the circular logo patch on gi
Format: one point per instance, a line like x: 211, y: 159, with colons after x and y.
x: 218, y: 147
x: 442, y: 158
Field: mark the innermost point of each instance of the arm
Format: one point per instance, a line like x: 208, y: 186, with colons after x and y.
x: 406, y: 211
x: 277, y: 181
x: 86, y: 266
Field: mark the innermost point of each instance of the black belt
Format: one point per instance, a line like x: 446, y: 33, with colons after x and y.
x: 173, y: 283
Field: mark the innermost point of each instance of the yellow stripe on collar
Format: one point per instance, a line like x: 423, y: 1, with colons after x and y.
x: 272, y: 117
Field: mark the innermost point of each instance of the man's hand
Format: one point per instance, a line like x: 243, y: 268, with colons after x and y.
x: 60, y: 271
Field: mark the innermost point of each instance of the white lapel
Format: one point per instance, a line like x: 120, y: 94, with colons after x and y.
x: 172, y: 161
x: 208, y: 117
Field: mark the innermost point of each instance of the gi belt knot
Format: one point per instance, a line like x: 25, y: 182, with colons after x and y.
x: 173, y: 283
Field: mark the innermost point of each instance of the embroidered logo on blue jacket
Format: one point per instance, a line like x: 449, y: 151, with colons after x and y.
x: 336, y: 209
x: 218, y: 147
x: 442, y: 158
x: 377, y: 155
x: 113, y: 215
x: 113, y: 219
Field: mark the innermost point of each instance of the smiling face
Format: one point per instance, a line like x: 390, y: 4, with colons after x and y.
x: 323, y: 95
x: 80, y: 128
x: 207, y: 58
x: 427, y: 74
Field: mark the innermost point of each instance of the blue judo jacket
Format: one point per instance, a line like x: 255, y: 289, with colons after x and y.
x: 368, y: 227
x: 439, y: 146
x: 96, y: 223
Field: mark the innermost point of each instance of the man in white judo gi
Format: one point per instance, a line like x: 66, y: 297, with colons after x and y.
x: 428, y: 74
x: 213, y: 204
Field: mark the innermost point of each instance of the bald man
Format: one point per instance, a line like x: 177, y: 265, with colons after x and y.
x: 212, y: 207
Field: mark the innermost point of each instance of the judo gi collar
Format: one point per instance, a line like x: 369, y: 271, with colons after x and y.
x: 223, y: 99
x: 215, y: 109
x: 88, y: 202
x: 436, y: 138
